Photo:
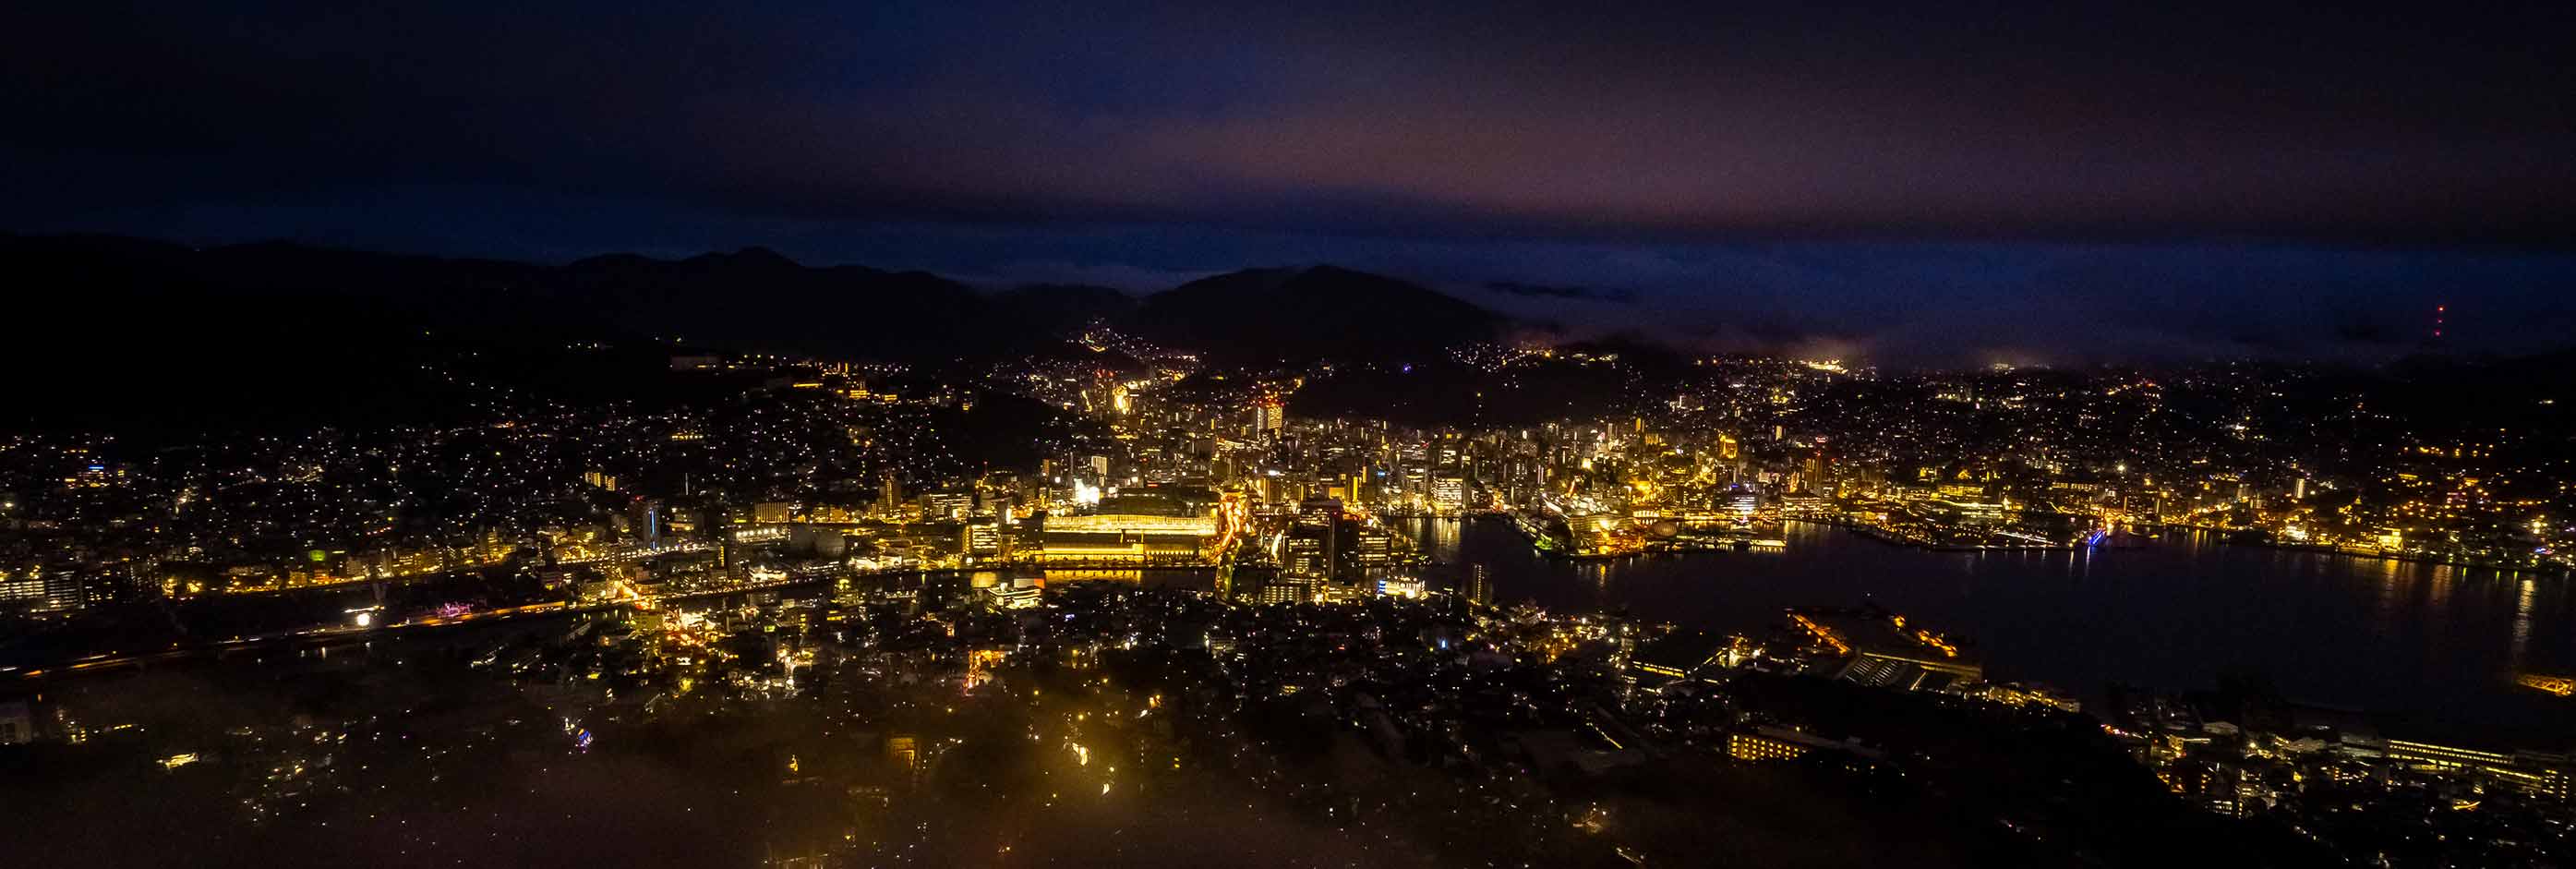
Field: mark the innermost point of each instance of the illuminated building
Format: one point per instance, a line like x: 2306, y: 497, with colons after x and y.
x: 23, y: 589
x: 1968, y: 512
x: 937, y: 506
x: 645, y: 514
x: 2556, y: 773
x: 1127, y: 539
x: 1448, y: 493
x: 2028, y: 695
x: 1306, y: 552
x: 2545, y: 775
x: 1743, y: 502
x: 1014, y: 595
x: 2217, y: 789
x: 1160, y: 500
x: 1339, y: 593
x: 980, y: 664
x: 1747, y: 746
x: 1285, y: 590
x: 1678, y: 655
x: 1373, y: 547
x: 1777, y: 743
x: 1401, y: 586
x: 2563, y: 686
x: 1885, y: 652
x: 904, y: 752
x: 981, y: 538
x: 889, y: 496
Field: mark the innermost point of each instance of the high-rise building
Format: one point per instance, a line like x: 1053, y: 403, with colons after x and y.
x: 1373, y: 547
x: 21, y: 589
x: 949, y: 506
x: 981, y: 538
x: 645, y: 514
x: 1306, y: 552
x: 1285, y: 590
x: 1448, y: 493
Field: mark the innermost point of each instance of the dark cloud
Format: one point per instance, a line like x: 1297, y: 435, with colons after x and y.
x: 1679, y: 119
x: 1833, y: 162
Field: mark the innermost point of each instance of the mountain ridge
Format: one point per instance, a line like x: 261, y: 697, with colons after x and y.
x: 756, y: 298
x: 1269, y: 314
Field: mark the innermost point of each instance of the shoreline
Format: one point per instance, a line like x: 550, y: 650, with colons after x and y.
x: 2328, y: 549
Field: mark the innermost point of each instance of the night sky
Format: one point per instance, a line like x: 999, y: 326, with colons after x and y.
x: 1916, y: 181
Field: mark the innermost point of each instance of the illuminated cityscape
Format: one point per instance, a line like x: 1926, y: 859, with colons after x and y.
x: 2029, y: 482
x: 1175, y: 582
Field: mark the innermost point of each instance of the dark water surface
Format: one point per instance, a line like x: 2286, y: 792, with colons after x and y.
x: 2430, y: 649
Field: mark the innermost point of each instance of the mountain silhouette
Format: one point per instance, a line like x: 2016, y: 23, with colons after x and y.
x: 749, y: 299
x: 1320, y: 312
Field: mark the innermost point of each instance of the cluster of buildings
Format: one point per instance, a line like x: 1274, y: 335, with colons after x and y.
x: 875, y: 466
x: 2244, y: 752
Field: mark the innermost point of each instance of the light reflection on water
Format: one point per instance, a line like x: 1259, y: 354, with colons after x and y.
x: 2435, y: 644
x: 2522, y: 621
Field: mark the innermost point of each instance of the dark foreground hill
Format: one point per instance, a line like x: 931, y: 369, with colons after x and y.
x: 115, y: 328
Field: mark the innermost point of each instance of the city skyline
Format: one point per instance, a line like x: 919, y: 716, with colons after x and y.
x: 825, y: 434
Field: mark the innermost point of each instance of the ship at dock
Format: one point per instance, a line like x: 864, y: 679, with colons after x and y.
x: 1591, y: 535
x: 1546, y: 529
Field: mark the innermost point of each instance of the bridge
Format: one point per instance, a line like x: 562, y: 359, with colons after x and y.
x: 2563, y: 686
